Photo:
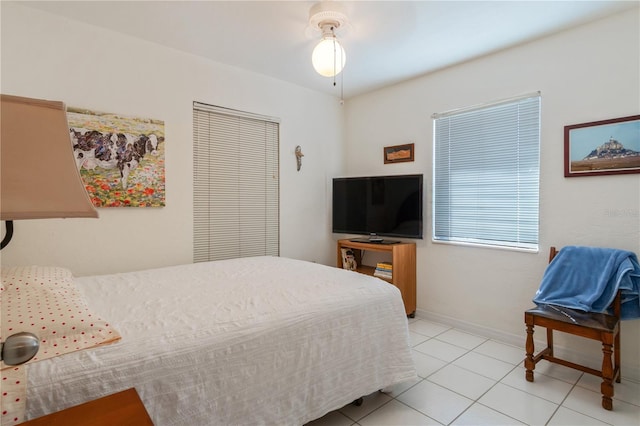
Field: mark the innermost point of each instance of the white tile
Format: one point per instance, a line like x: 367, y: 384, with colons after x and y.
x: 478, y: 414
x: 334, y: 418
x: 462, y: 381
x: 520, y: 405
x: 591, y: 382
x: 452, y: 376
x: 441, y: 350
x: 397, y: 389
x: 560, y: 372
x: 396, y: 413
x: 417, y: 338
x: 501, y: 351
x: 435, y: 401
x: 426, y: 364
x: 589, y: 403
x: 462, y: 339
x: 626, y: 390
x: 370, y: 403
x: 484, y: 365
x: 546, y: 387
x: 564, y: 417
x: 427, y: 328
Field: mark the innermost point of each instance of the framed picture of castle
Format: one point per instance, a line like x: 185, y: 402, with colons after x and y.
x: 604, y: 147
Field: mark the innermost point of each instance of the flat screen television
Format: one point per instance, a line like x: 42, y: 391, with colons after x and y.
x: 378, y: 206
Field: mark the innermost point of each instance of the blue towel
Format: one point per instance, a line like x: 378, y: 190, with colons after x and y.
x: 588, y: 278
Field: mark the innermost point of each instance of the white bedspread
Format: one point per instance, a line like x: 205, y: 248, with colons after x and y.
x: 250, y: 341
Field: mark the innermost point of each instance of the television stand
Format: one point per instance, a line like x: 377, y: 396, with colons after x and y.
x: 403, y: 258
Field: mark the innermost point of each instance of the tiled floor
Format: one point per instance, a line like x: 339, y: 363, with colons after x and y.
x: 466, y: 379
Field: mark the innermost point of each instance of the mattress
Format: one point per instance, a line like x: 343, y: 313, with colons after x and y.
x: 263, y: 340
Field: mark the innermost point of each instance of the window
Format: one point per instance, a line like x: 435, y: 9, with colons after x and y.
x: 235, y: 184
x: 486, y: 174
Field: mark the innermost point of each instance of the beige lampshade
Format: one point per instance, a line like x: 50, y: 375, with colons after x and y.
x: 39, y: 178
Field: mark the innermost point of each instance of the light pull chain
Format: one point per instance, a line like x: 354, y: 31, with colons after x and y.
x: 335, y: 51
x: 341, y: 79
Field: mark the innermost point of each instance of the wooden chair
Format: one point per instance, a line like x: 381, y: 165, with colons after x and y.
x: 596, y: 326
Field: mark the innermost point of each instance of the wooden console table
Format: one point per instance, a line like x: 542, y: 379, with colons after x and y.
x: 403, y: 258
x: 120, y: 409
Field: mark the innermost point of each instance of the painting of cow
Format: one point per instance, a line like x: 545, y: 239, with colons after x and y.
x: 120, y: 159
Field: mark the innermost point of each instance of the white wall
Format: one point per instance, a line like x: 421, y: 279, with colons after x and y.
x: 49, y: 57
x: 590, y: 73
x: 587, y: 74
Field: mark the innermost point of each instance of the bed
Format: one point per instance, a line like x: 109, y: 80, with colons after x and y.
x: 263, y: 340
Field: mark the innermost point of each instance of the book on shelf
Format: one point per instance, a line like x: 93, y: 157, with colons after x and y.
x: 381, y: 274
x: 383, y: 270
x: 384, y: 266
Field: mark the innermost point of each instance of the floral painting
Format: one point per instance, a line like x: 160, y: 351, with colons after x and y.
x: 121, y: 159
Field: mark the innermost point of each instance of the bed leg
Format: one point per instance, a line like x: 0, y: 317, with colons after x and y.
x: 358, y: 402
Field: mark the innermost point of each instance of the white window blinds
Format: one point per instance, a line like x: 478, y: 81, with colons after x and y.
x: 235, y: 184
x: 486, y: 174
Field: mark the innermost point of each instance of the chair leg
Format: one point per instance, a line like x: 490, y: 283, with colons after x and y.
x: 529, y: 363
x: 616, y: 357
x: 550, y: 341
x: 607, y: 376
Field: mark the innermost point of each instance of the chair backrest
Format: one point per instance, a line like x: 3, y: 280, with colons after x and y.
x: 616, y: 302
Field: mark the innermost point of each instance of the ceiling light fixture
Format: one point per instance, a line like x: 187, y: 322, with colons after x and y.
x: 328, y: 57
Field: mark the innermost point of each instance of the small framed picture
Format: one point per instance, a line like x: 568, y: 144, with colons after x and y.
x: 398, y: 153
x: 604, y: 147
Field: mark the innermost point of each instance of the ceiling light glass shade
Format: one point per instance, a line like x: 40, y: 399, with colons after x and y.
x: 39, y: 178
x: 328, y: 57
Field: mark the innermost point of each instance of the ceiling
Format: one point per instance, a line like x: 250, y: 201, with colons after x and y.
x: 386, y: 41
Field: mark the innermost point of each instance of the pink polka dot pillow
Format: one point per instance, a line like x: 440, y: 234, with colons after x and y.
x: 13, y: 401
x: 46, y: 302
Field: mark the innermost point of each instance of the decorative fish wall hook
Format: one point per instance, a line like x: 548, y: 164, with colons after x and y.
x: 299, y: 156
